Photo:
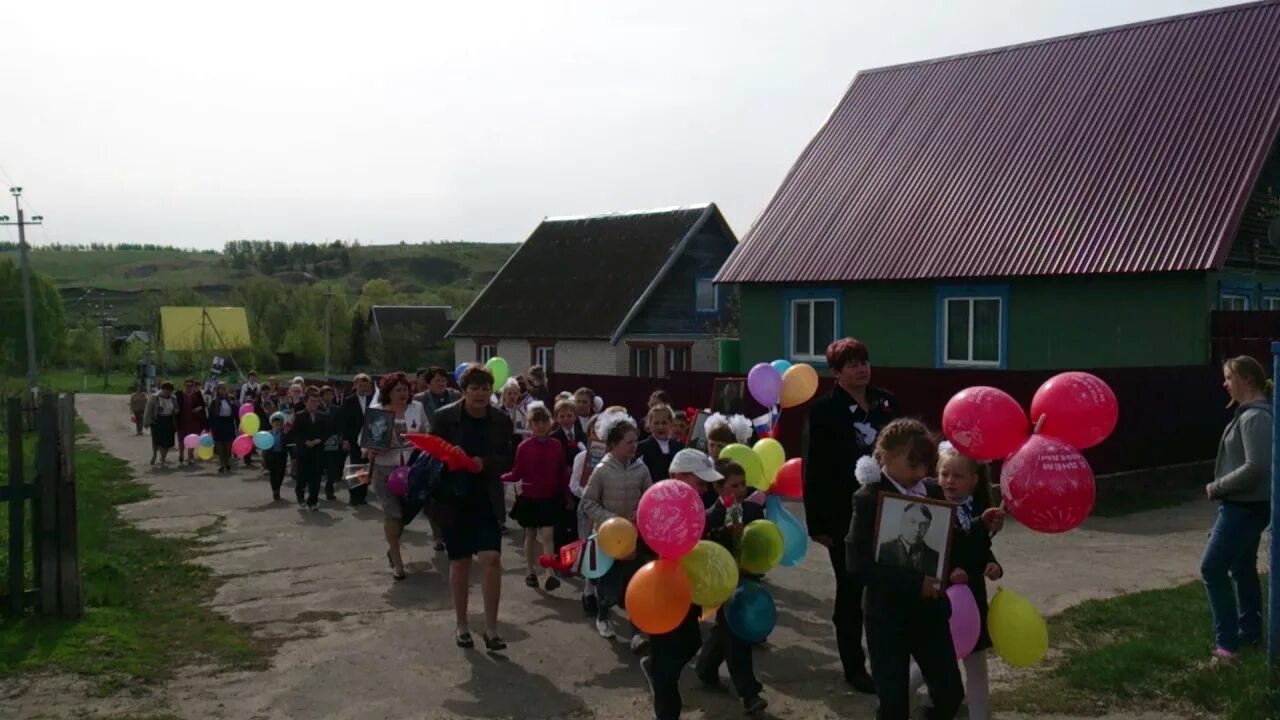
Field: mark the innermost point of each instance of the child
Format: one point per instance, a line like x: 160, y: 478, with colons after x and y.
x: 275, y: 458
x: 680, y: 428
x: 574, y: 440
x: 543, y: 478
x: 734, y: 509
x: 722, y: 431
x: 905, y: 615
x: 584, y: 400
x: 613, y: 489
x: 696, y: 470
x: 657, y: 450
x: 138, y: 406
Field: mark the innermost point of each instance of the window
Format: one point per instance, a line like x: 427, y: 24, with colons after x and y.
x: 642, y: 358
x: 1233, y: 301
x: 972, y: 331
x: 677, y: 359
x: 545, y: 355
x: 1271, y: 302
x: 486, y: 351
x: 813, y: 327
x: 705, y: 295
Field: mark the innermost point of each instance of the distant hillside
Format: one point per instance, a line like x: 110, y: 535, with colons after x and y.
x: 429, y: 273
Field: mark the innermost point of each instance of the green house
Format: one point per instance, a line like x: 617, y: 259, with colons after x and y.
x: 1078, y: 202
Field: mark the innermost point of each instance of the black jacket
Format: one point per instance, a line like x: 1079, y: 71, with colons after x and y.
x: 352, y: 422
x: 651, y: 453
x: 832, y: 446
x: 304, y: 429
x: 889, y: 588
x: 570, y: 442
x: 971, y: 551
x: 448, y: 425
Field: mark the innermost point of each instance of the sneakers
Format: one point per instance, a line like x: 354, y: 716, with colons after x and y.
x: 605, y: 628
x: 551, y: 583
x: 639, y: 643
x: 754, y: 704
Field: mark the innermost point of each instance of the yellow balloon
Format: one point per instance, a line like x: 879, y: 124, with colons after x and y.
x: 709, y: 613
x: 799, y: 383
x: 772, y: 456
x: 1018, y: 632
x: 750, y: 462
x: 250, y: 424
x: 617, y: 538
x: 204, y: 453
x: 712, y: 571
x: 761, y: 547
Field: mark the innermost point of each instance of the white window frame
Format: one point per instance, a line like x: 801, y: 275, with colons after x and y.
x: 1244, y: 300
x: 1270, y: 302
x: 490, y: 355
x: 817, y: 354
x: 653, y: 361
x: 545, y: 355
x: 667, y: 357
x: 715, y: 295
x: 946, y: 335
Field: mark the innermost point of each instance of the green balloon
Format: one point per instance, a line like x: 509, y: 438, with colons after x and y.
x: 500, y: 369
x: 761, y: 547
x: 712, y: 571
x: 749, y: 460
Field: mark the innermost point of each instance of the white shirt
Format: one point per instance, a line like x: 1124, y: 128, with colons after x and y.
x: 916, y: 490
x: 664, y: 446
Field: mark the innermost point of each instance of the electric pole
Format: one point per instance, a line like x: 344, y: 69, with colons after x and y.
x: 328, y: 305
x: 106, y: 347
x: 25, y: 263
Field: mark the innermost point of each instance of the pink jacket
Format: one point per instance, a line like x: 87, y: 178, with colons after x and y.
x: 541, y: 469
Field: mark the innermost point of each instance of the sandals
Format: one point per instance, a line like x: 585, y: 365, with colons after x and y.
x: 531, y: 580
x: 464, y: 640
x: 494, y: 644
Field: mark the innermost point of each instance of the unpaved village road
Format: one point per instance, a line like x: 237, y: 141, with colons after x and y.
x: 360, y: 646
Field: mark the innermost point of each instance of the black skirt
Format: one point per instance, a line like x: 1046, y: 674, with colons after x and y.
x: 531, y: 513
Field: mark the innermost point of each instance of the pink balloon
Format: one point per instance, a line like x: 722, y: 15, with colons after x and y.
x: 966, y: 622
x: 671, y: 518
x: 245, y: 409
x: 1048, y: 485
x: 191, y: 442
x: 984, y: 423
x: 398, y: 481
x: 242, y: 446
x: 764, y: 382
x: 1077, y: 407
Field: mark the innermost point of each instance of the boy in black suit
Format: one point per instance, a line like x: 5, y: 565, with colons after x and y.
x: 353, y: 407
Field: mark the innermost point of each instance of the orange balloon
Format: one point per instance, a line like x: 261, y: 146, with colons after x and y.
x: 617, y: 537
x: 799, y: 383
x: 659, y: 597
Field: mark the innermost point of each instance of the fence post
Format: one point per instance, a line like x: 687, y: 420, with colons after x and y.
x: 47, y: 488
x: 1273, y: 577
x: 17, y: 498
x: 72, y: 602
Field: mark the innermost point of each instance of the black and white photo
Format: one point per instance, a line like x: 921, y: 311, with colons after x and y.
x: 914, y: 533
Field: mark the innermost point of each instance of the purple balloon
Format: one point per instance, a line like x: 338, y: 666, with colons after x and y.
x: 398, y: 481
x: 966, y: 623
x: 765, y: 384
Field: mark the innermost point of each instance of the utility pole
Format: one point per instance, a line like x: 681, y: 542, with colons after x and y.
x: 106, y: 347
x: 24, y: 261
x: 328, y: 326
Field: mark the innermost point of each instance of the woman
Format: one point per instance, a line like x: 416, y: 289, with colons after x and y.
x: 467, y: 513
x: 191, y: 417
x: 536, y: 381
x: 438, y: 393
x: 395, y: 396
x: 1242, y: 489
x: 222, y: 425
x: 161, y: 417
x: 842, y: 428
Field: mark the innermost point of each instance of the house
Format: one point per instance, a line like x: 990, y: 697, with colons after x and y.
x: 1085, y: 201
x: 408, y: 337
x: 620, y: 294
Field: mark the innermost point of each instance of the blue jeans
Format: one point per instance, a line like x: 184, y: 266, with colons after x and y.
x: 1232, y: 554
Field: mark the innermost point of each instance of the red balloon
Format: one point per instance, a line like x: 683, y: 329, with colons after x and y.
x: 1077, y: 407
x: 1048, y: 485
x: 790, y: 480
x: 984, y: 423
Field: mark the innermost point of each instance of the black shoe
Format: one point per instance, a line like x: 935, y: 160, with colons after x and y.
x: 754, y: 704
x: 358, y: 503
x: 589, y: 605
x: 438, y: 547
x: 531, y: 580
x: 464, y: 640
x: 330, y: 496
x: 494, y: 644
x: 551, y: 583
x: 710, y: 682
x: 861, y: 682
x: 275, y: 497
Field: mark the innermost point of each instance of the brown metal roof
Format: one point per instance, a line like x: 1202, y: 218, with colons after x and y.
x: 1130, y: 149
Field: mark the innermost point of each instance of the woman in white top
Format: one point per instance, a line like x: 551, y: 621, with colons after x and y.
x: 396, y: 395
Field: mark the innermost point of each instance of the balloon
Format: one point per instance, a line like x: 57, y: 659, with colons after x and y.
x: 204, y: 452
x: 750, y: 462
x: 616, y: 538
x: 772, y: 456
x: 598, y: 563
x: 1077, y: 407
x: 457, y: 372
x: 782, y: 366
x: 264, y: 440
x: 764, y: 382
x: 671, y: 518
x: 966, y: 623
x: 790, y: 480
x: 984, y: 423
x: 799, y: 383
x: 398, y: 481
x: 1017, y: 631
x: 709, y: 613
x: 250, y: 424
x: 245, y: 409
x: 242, y: 446
x: 500, y: 369
x: 751, y: 613
x: 761, y: 547
x: 795, y: 540
x: 712, y: 571
x: 191, y: 442
x: 1048, y: 485
x: 206, y: 440
x: 658, y: 597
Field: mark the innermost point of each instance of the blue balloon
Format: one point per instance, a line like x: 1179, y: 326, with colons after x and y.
x: 597, y: 564
x: 457, y: 372
x: 264, y: 440
x: 782, y: 366
x: 795, y: 541
x: 206, y: 440
x: 751, y: 613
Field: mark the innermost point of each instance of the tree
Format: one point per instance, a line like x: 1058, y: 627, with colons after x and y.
x: 376, y: 292
x: 306, y: 342
x: 359, y: 337
x: 46, y: 312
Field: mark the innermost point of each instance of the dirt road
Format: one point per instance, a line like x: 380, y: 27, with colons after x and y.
x: 360, y: 646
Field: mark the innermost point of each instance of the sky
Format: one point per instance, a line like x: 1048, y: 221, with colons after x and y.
x: 192, y: 124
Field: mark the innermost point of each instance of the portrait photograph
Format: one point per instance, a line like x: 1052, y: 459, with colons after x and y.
x: 378, y: 426
x: 914, y: 533
x: 729, y: 396
x: 698, y: 431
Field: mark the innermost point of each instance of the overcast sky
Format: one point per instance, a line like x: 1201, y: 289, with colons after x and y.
x: 197, y: 123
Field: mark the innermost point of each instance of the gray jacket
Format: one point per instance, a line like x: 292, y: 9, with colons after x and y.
x: 1242, y: 472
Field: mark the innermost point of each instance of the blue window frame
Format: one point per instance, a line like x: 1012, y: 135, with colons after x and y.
x: 972, y: 326
x: 1236, y: 295
x: 811, y: 322
x: 706, y: 296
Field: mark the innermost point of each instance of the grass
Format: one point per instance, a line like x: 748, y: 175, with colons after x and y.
x: 1145, y: 651
x: 145, y: 613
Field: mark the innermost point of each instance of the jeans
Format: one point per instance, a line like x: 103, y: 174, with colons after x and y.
x: 1232, y: 554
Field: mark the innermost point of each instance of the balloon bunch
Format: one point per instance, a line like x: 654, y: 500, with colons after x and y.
x: 500, y: 369
x: 202, y: 444
x: 781, y: 383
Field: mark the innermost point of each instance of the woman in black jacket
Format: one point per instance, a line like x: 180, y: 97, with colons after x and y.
x: 310, y: 429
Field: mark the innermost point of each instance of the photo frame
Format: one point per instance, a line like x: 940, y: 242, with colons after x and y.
x: 729, y: 396
x: 379, y: 426
x: 698, y: 430
x: 915, y: 533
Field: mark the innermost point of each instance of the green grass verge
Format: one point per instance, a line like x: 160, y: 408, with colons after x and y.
x: 1146, y: 651
x: 145, y: 613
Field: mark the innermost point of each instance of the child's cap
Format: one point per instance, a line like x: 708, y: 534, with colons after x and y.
x: 696, y: 462
x: 278, y: 417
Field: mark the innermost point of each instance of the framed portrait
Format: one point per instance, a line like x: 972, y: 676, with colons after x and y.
x: 915, y: 533
x: 728, y: 396
x: 378, y: 427
x: 698, y: 431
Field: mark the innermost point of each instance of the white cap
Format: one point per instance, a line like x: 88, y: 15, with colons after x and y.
x: 696, y: 462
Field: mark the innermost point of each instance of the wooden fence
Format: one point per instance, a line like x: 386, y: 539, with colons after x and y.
x: 51, y: 495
